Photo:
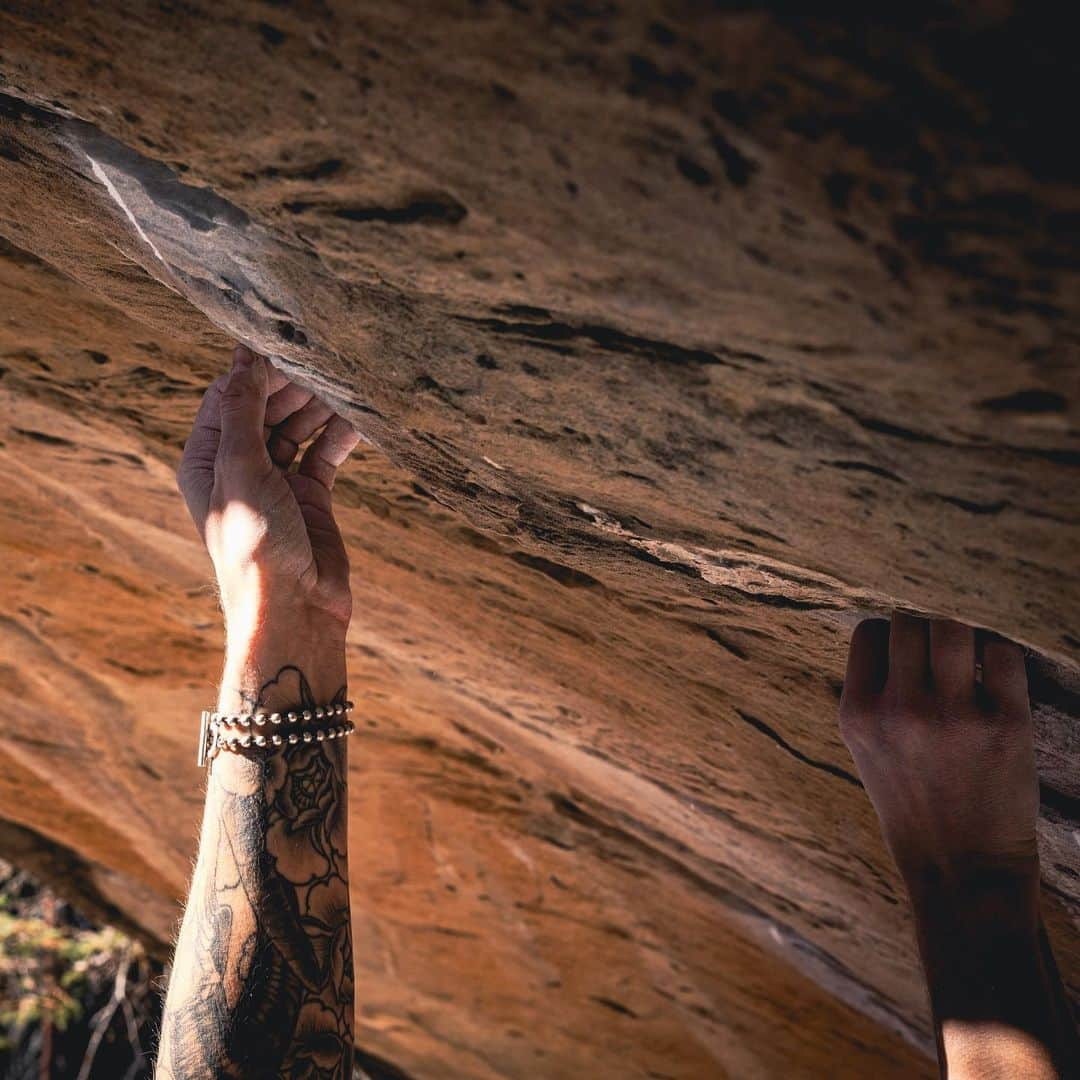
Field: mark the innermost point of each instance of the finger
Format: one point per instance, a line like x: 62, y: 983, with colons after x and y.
x: 276, y: 378
x: 289, y: 398
x: 288, y: 436
x: 909, y: 642
x: 1005, y: 678
x: 868, y: 662
x: 195, y: 475
x: 327, y: 544
x: 335, y: 443
x: 952, y: 659
x: 243, y: 409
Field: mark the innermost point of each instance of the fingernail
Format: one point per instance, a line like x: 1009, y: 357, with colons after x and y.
x: 242, y: 358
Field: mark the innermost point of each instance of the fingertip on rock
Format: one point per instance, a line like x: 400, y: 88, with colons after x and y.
x: 243, y: 358
x: 872, y: 631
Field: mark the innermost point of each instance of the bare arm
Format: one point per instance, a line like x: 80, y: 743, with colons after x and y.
x: 949, y: 764
x: 998, y: 1002
x: 262, y: 979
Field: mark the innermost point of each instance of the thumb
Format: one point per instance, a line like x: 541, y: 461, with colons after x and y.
x: 243, y: 410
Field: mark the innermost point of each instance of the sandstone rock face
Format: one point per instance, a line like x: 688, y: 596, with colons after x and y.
x: 681, y: 339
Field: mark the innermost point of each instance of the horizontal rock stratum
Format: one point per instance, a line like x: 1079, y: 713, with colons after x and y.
x: 680, y: 340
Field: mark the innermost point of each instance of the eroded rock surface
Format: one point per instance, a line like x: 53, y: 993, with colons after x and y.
x: 680, y: 340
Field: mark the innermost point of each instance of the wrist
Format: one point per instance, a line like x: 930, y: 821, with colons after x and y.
x: 972, y: 898
x: 291, y: 659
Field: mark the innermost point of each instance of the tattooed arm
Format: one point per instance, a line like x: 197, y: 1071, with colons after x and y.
x: 262, y: 980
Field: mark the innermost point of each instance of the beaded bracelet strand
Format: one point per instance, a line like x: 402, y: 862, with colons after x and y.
x: 242, y: 731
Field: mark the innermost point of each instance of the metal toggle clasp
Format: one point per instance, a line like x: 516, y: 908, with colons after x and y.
x: 204, y: 738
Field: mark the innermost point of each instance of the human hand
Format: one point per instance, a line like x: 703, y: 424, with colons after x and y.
x: 281, y: 565
x: 949, y: 764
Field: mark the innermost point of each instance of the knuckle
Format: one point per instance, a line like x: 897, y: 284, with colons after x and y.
x: 233, y: 401
x: 185, y: 474
x: 904, y: 699
x: 1009, y: 722
x: 236, y: 387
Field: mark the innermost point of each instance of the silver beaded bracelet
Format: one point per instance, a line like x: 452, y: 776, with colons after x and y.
x: 270, y: 731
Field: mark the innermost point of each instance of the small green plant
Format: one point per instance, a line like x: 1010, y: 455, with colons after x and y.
x: 46, y: 971
x: 60, y: 974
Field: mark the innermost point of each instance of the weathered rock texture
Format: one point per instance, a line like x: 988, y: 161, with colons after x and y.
x: 681, y: 338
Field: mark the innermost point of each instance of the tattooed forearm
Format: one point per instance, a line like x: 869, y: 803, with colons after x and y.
x: 262, y: 981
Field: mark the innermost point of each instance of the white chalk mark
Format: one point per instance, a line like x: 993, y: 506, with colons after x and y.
x: 110, y: 187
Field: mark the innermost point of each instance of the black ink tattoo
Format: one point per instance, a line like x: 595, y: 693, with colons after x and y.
x: 262, y: 984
